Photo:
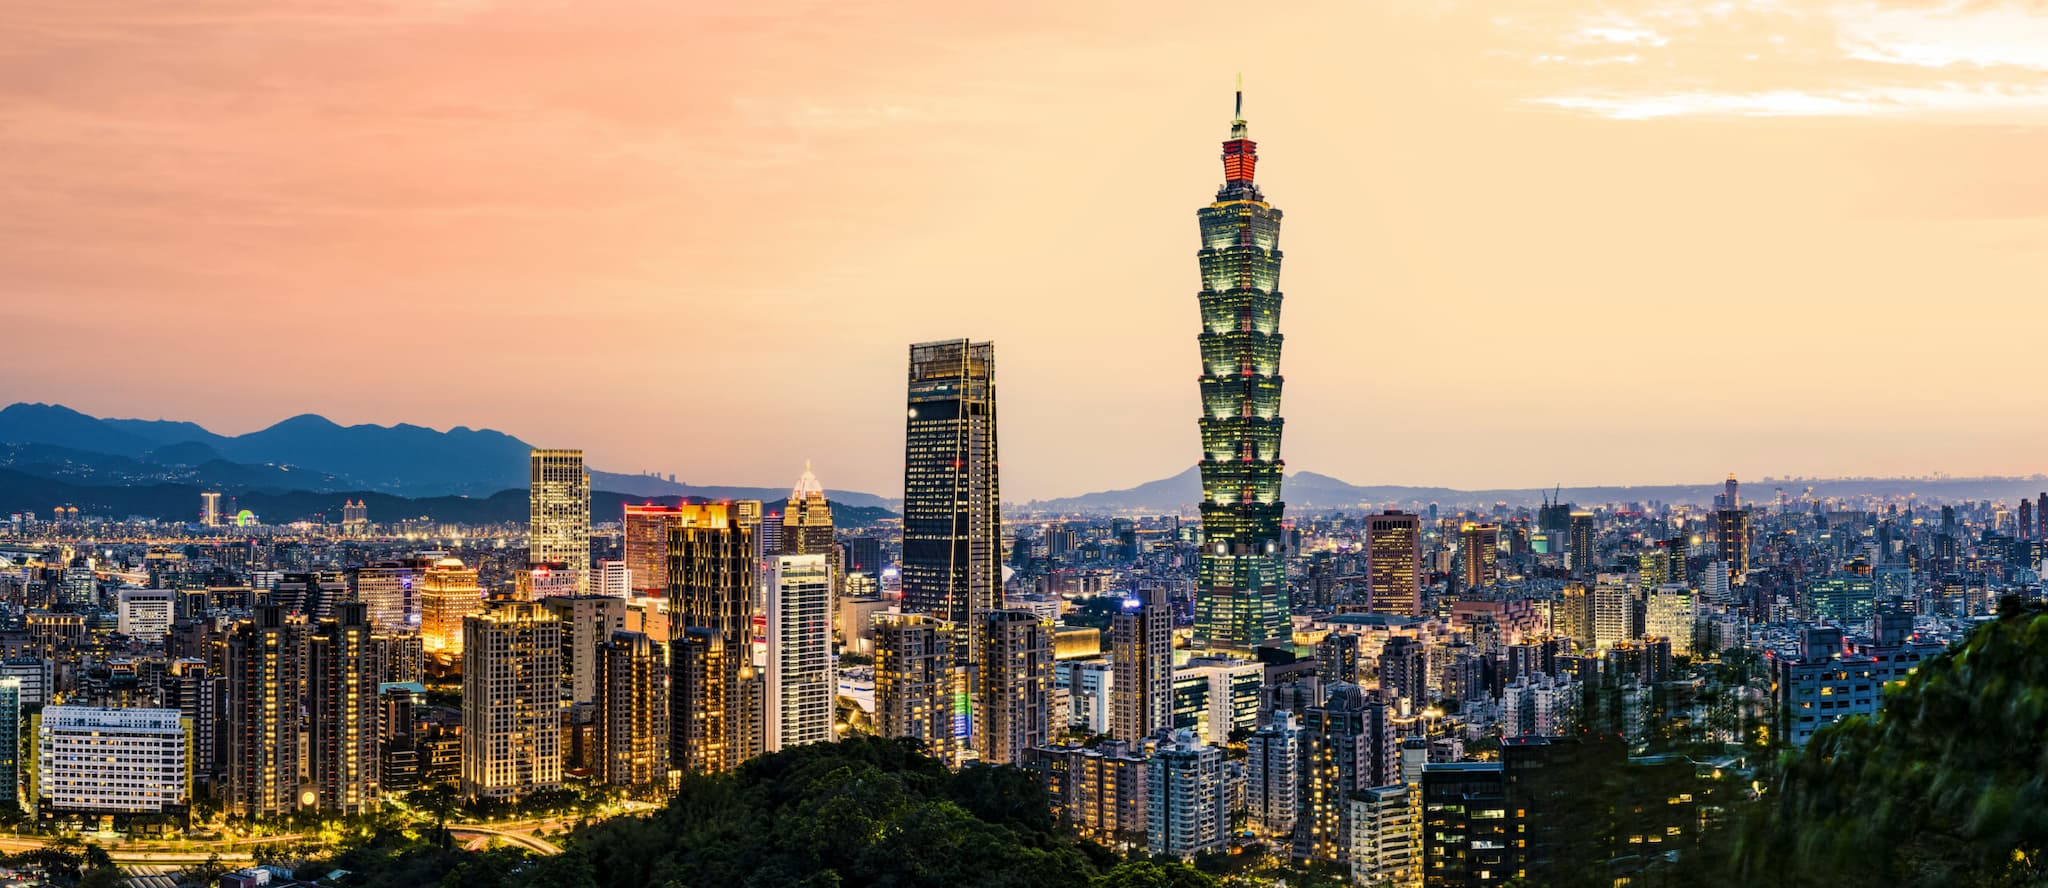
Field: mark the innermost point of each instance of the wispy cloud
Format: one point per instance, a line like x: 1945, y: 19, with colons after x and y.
x: 1629, y: 35
x: 1785, y: 58
x: 1795, y: 103
x: 1952, y: 35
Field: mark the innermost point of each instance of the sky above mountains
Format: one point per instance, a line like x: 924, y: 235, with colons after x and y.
x: 1628, y: 242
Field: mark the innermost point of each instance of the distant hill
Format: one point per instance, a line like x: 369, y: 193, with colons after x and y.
x: 1308, y: 491
x: 402, y: 459
x: 62, y: 426
x: 180, y: 502
x: 306, y: 452
x: 192, y: 463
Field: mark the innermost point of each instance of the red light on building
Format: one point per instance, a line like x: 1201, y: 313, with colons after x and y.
x: 1240, y: 159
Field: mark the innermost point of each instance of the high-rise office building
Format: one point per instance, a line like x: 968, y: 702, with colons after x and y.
x: 388, y: 591
x: 1014, y: 712
x: 1679, y: 549
x: 1394, y: 563
x: 645, y: 543
x: 120, y: 763
x: 919, y: 690
x: 342, y: 709
x: 1653, y: 567
x: 448, y: 594
x: 143, y: 614
x: 1141, y: 653
x: 511, y: 701
x: 1467, y: 839
x: 952, y: 519
x: 712, y: 571
x: 1613, y: 615
x: 209, y: 508
x: 1241, y: 590
x: 1668, y: 614
x: 1190, y: 806
x: 1479, y: 553
x: 1731, y: 541
x: 750, y: 517
x: 632, y: 710
x: 768, y: 534
x: 807, y: 526
x: 801, y: 680
x: 1571, y: 615
x: 266, y: 675
x: 558, y: 513
x: 862, y: 555
x: 1585, y: 554
x: 399, y: 731
x: 613, y: 580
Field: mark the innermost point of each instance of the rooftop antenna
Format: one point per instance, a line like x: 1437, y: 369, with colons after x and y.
x: 1240, y: 96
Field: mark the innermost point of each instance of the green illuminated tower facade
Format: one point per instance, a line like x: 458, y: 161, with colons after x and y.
x: 1241, y: 597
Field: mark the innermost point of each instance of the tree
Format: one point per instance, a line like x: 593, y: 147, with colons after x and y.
x: 1946, y: 785
x: 1147, y: 874
x: 205, y: 873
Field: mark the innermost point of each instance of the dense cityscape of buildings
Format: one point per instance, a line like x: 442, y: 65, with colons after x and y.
x: 1421, y: 694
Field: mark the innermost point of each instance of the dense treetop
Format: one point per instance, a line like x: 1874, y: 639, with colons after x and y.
x: 1946, y: 785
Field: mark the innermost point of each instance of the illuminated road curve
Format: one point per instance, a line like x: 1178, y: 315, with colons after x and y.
x: 530, y: 843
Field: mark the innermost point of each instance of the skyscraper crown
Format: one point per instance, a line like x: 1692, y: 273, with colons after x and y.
x: 806, y: 485
x: 1240, y: 153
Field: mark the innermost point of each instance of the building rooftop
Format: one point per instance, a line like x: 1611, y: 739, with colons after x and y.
x: 1390, y: 621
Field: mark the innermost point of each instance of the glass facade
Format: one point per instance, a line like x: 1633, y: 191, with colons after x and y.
x: 1241, y: 597
x: 952, y: 520
x: 558, y: 501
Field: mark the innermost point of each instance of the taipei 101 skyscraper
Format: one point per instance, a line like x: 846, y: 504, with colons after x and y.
x: 1241, y: 593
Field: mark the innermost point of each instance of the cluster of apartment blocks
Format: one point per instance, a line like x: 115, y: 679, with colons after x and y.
x: 293, y: 698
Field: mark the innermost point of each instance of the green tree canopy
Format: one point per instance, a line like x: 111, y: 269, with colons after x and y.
x: 1947, y: 785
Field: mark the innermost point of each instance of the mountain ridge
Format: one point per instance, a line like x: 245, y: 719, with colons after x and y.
x: 1311, y: 491
x: 180, y: 502
x: 403, y: 459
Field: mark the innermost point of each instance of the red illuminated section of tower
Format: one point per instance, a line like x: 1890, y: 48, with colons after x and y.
x: 1240, y: 158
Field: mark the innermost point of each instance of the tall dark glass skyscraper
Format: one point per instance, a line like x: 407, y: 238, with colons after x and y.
x: 952, y: 526
x: 1241, y: 599
x: 952, y: 519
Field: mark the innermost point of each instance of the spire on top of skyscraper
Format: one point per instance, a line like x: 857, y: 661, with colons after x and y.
x: 1240, y: 155
x: 1237, y: 125
x: 808, y: 484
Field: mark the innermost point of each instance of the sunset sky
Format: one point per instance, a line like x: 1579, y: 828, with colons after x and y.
x: 1526, y: 242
